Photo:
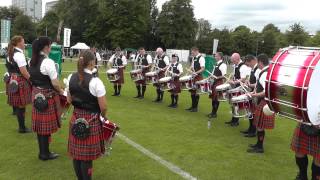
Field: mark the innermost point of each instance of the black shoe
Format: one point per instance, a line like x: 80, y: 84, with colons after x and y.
x: 25, y: 130
x: 175, y: 106
x: 49, y: 156
x: 118, y: 95
x: 250, y: 135
x: 255, y: 150
x: 211, y: 115
x: 171, y: 105
x: 114, y: 94
x: 189, y: 109
x: 234, y: 124
x: 141, y: 97
x: 252, y: 145
x: 300, y: 177
x: 156, y: 100
x: 229, y: 122
x: 244, y: 132
x: 194, y: 110
x: 138, y: 96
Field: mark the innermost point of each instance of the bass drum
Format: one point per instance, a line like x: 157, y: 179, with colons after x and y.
x: 292, y: 85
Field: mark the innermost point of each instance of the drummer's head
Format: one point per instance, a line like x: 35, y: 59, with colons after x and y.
x: 250, y: 60
x: 118, y: 50
x: 86, y: 61
x: 174, y: 58
x: 218, y: 56
x: 263, y: 61
x: 235, y: 58
x: 159, y: 51
x: 194, y: 51
x: 142, y: 51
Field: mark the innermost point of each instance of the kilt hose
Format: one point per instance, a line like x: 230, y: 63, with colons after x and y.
x: 195, y: 79
x: 303, y: 144
x: 262, y: 121
x: 121, y: 77
x: 214, y: 94
x: 177, y: 86
x: 93, y: 146
x: 47, y: 122
x: 23, y: 96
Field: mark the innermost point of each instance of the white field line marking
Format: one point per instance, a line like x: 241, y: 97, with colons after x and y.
x: 157, y: 158
x: 2, y: 92
x: 99, y: 72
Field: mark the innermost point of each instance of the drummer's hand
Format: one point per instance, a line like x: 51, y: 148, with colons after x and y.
x: 61, y: 92
x: 231, y: 82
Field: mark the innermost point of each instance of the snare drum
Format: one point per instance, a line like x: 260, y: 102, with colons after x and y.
x: 166, y: 84
x: 109, y: 130
x: 113, y: 75
x: 222, y: 91
x: 241, y: 106
x: 292, y: 85
x: 186, y: 83
x: 152, y: 77
x: 234, y: 93
x: 203, y: 86
x: 136, y: 75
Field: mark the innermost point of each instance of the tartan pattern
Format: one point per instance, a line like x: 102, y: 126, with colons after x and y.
x: 177, y: 86
x: 261, y: 120
x: 143, y: 82
x: 92, y: 147
x: 121, y: 77
x: 195, y: 79
x: 23, y: 96
x: 47, y: 122
x: 214, y: 94
x: 303, y: 144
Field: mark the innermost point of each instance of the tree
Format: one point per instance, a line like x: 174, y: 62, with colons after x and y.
x: 177, y: 25
x: 296, y: 35
x: 152, y: 39
x: 48, y: 25
x: 315, y: 40
x: 24, y: 26
x: 243, y: 41
x: 203, y: 38
x: 270, y: 39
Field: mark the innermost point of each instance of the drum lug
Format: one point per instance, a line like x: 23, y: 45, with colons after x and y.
x: 286, y: 103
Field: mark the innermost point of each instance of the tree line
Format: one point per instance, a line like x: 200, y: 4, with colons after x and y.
x: 127, y: 23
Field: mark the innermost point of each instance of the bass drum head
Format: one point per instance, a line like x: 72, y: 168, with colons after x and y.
x: 313, y: 98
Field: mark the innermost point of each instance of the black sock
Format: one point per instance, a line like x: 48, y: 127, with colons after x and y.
x: 172, y: 99
x: 161, y: 95
x: 197, y: 97
x: 260, y: 139
x: 158, y: 94
x: 252, y: 127
x: 139, y: 90
x: 14, y: 110
x: 176, y: 97
x: 144, y: 87
x: 302, y: 164
x: 315, y: 172
x: 115, y: 89
x: 77, y: 168
x: 86, y: 169
x: 215, y: 105
x: 235, y: 120
x: 46, y: 144
x: 193, y: 99
x: 40, y: 143
x: 20, y: 116
x: 119, y: 89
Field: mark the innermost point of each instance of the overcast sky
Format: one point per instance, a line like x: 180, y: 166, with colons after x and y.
x: 252, y: 13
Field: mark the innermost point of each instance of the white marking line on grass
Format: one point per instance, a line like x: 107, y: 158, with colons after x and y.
x: 2, y: 92
x: 99, y: 72
x: 157, y: 158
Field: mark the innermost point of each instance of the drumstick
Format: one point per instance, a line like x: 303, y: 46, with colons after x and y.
x: 211, y: 75
x: 247, y: 92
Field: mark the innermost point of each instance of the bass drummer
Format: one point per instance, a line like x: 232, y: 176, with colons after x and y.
x: 220, y: 70
x: 261, y: 120
x: 175, y: 69
x: 161, y: 65
x: 241, y: 72
x: 118, y: 61
x: 196, y: 68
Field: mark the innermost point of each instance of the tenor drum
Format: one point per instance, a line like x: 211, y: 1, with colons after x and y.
x: 203, y: 86
x: 109, y: 130
x: 241, y: 106
x: 136, y: 75
x: 113, y: 75
x: 222, y: 91
x: 152, y: 78
x: 186, y: 83
x: 292, y: 85
x: 166, y: 84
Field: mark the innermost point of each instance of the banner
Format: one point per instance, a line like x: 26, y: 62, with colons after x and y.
x: 5, y: 30
x: 215, y: 46
x: 66, y: 37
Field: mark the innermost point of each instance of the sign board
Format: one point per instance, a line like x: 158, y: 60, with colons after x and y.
x: 183, y: 54
x: 66, y: 37
x: 215, y: 46
x: 5, y: 30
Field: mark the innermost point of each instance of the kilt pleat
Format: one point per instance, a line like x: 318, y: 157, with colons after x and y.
x: 121, y: 76
x: 92, y: 147
x: 303, y: 144
x: 23, y: 96
x: 47, y: 122
x: 177, y: 86
x: 261, y: 120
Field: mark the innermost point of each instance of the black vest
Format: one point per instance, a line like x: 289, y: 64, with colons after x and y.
x: 253, y: 78
x: 259, y: 87
x: 237, y: 75
x: 80, y: 94
x: 217, y: 71
x: 11, y: 65
x: 160, y: 62
x: 196, y: 63
x: 142, y: 60
x: 117, y: 60
x: 175, y: 68
x: 37, y: 78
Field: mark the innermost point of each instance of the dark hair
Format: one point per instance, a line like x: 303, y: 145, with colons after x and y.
x: 37, y: 47
x: 220, y: 54
x: 263, y: 58
x: 194, y: 49
x: 118, y: 49
x: 141, y: 48
x: 13, y: 42
x: 176, y: 55
x: 249, y: 58
x: 86, y: 56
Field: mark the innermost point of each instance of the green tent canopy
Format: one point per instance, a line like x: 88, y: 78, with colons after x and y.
x: 210, y: 63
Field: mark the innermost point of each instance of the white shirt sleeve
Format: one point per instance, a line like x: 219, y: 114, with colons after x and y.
x: 111, y: 59
x: 180, y: 68
x: 98, y: 57
x: 20, y: 59
x: 244, y: 71
x: 223, y: 69
x: 48, y: 68
x: 166, y: 60
x: 96, y: 87
x: 262, y: 79
x: 135, y: 60
x: 257, y: 73
x: 202, y: 61
x: 149, y: 59
x: 124, y: 60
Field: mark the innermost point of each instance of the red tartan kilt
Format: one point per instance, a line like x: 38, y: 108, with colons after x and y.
x: 143, y: 82
x: 92, y: 147
x: 214, y: 94
x: 23, y: 96
x: 195, y: 79
x: 47, y: 122
x: 121, y: 76
x: 304, y: 144
x: 261, y: 120
x: 177, y: 86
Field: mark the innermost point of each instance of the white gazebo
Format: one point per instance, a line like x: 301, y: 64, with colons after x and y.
x: 80, y: 46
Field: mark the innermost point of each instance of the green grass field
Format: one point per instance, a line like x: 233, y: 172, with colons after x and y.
x: 177, y: 136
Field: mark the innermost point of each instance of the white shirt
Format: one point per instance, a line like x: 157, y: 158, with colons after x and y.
x: 244, y: 70
x: 165, y: 59
x: 98, y: 56
x: 256, y: 74
x: 96, y: 86
x: 202, y: 61
x: 124, y: 59
x: 19, y: 58
x: 222, y: 68
x: 179, y: 67
x: 263, y: 78
x: 48, y: 68
x: 132, y: 57
x: 149, y: 59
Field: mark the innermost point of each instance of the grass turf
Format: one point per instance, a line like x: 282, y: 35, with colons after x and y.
x: 174, y: 134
